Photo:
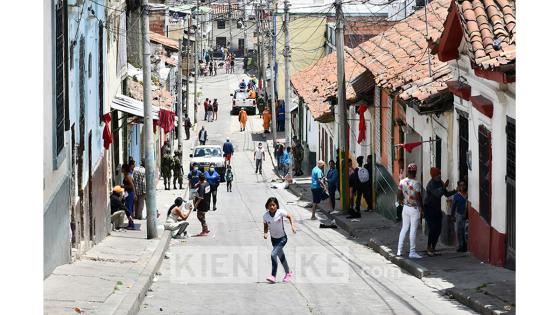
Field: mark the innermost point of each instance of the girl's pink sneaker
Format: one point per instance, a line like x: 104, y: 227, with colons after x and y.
x: 288, y: 277
x: 271, y: 279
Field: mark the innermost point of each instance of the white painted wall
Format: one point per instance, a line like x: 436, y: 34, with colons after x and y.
x: 503, y: 99
x: 364, y: 148
x: 52, y: 178
x: 236, y: 33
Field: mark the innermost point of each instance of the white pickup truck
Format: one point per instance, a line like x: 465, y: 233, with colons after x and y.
x: 240, y: 100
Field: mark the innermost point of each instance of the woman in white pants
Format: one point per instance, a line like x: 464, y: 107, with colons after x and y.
x: 176, y: 219
x: 410, y: 196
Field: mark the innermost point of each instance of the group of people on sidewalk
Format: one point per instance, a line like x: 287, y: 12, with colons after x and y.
x: 416, y: 206
x: 286, y: 154
x: 210, y: 109
x: 128, y: 199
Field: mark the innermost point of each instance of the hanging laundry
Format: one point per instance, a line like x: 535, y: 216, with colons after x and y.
x: 362, y: 126
x: 107, y: 137
x: 409, y: 146
x: 166, y: 120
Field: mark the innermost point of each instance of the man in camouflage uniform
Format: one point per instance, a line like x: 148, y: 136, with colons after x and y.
x: 177, y: 170
x: 166, y: 167
x: 298, y: 157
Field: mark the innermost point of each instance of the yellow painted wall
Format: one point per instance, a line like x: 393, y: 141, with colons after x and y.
x: 307, y: 43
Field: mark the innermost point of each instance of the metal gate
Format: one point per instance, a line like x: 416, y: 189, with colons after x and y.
x: 510, y: 195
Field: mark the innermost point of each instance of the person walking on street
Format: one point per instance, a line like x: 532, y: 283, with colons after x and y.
x: 202, y: 136
x: 202, y: 203
x: 435, y: 189
x: 316, y: 190
x: 273, y: 220
x: 229, y: 177
x: 267, y: 117
x: 206, y: 105
x: 232, y: 66
x: 188, y: 126
x: 332, y: 180
x: 228, y: 150
x: 242, y: 119
x: 178, y: 170
x: 130, y: 195
x: 286, y: 160
x: 213, y: 179
x: 139, y: 179
x: 176, y: 221
x: 211, y: 66
x: 410, y: 195
x: 460, y: 215
x: 258, y: 156
x: 118, y: 209
x: 215, y: 109
x: 215, y: 67
x: 210, y: 112
x: 193, y: 178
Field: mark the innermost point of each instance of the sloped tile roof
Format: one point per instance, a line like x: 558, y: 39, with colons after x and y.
x: 160, y: 97
x: 318, y: 82
x: 489, y: 29
x: 398, y: 57
x: 165, y: 41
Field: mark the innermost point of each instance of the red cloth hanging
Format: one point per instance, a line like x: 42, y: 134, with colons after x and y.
x: 166, y: 120
x: 409, y: 146
x: 107, y: 137
x: 362, y: 126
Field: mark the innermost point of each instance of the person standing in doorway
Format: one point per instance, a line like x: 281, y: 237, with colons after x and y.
x: 130, y: 190
x: 332, y: 179
x: 202, y: 203
x: 361, y: 179
x: 273, y: 220
x: 242, y: 119
x: 369, y: 167
x: 316, y: 190
x: 139, y: 179
x: 435, y: 189
x: 459, y: 214
x: 202, y: 136
x: 410, y: 196
x: 213, y: 179
x: 258, y: 156
x: 228, y: 150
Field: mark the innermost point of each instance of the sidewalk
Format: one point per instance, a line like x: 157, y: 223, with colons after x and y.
x: 114, y: 276
x: 484, y: 288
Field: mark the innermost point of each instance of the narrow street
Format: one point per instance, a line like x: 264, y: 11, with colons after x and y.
x: 225, y: 272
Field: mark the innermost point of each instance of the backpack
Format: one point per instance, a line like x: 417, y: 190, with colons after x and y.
x: 363, y: 175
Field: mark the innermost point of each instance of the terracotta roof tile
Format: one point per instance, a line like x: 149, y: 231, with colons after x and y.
x: 398, y: 58
x: 493, y: 23
x: 160, y: 97
x: 165, y: 41
x: 317, y: 83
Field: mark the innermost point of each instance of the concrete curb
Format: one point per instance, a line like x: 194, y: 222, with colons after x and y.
x: 476, y: 301
x: 407, y: 264
x: 131, y: 302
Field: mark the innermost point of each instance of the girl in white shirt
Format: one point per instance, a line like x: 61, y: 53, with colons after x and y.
x: 274, y: 219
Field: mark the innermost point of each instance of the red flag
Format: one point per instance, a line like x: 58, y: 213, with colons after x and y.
x: 362, y: 126
x: 409, y: 146
x: 107, y: 137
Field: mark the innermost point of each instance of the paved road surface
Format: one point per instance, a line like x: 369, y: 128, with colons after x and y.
x: 225, y: 272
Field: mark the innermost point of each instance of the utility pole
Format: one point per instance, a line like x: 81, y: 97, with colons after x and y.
x: 262, y: 51
x: 287, y: 79
x: 259, y: 48
x: 196, y: 66
x: 188, y: 32
x: 180, y: 97
x: 244, y: 28
x: 148, y: 126
x: 341, y: 95
x: 229, y: 19
x: 273, y: 78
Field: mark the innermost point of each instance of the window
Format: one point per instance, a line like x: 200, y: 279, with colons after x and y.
x: 463, y: 145
x: 221, y: 41
x: 89, y: 66
x: 221, y: 24
x: 59, y: 84
x: 485, y: 172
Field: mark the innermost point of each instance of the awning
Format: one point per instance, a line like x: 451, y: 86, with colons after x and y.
x: 131, y: 106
